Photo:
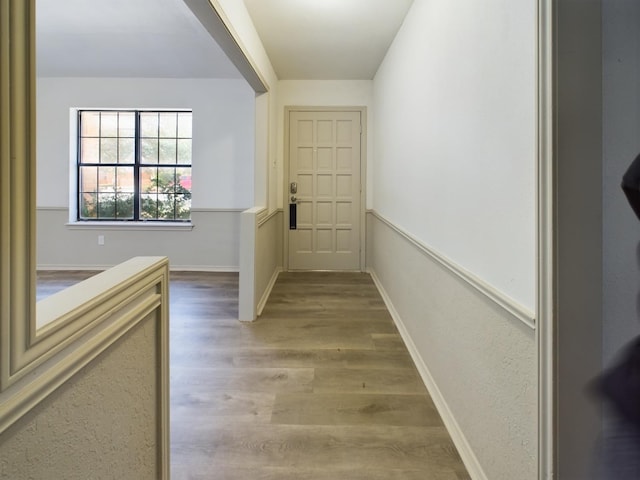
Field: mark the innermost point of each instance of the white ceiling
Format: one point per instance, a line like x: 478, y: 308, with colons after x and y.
x: 125, y: 38
x: 327, y: 39
x: 305, y: 39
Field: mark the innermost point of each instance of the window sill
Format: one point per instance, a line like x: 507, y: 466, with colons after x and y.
x: 142, y: 226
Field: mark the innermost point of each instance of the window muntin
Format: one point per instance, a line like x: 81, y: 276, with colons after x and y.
x: 134, y: 165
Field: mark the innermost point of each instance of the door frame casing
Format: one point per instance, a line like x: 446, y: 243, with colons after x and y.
x: 545, y: 242
x: 363, y: 174
x: 569, y: 176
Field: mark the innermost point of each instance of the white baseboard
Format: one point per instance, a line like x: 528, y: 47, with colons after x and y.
x: 204, y: 268
x: 267, y: 291
x: 173, y: 268
x: 464, y: 449
x: 73, y: 267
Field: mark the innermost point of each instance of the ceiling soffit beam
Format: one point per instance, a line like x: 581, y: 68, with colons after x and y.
x: 207, y: 14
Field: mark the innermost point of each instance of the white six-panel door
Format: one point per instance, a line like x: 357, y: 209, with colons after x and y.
x: 324, y: 166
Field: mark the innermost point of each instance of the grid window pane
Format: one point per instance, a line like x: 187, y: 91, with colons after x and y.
x: 109, y: 124
x: 124, y: 180
x: 108, y: 150
x: 91, y: 124
x: 167, y: 193
x: 107, y: 205
x: 128, y: 165
x: 127, y: 125
x: 183, y: 177
x: 183, y: 207
x: 149, y: 125
x: 165, y: 207
x: 148, y: 179
x: 167, y: 151
x: 124, y: 206
x: 182, y: 195
x: 106, y: 179
x: 90, y: 150
x: 89, y: 205
x: 168, y: 125
x: 126, y: 150
x: 88, y: 179
x: 184, y: 125
x: 149, y: 206
x: 184, y: 151
x: 149, y: 150
x: 166, y: 180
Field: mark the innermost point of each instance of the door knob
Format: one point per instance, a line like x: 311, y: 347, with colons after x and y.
x: 293, y: 199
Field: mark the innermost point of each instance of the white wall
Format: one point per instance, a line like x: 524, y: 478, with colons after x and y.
x: 323, y: 93
x: 274, y: 172
x: 223, y: 170
x: 239, y: 22
x: 621, y: 144
x: 266, y: 172
x: 454, y: 182
x: 455, y: 136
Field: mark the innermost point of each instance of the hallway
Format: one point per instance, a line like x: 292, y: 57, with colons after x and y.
x: 319, y: 387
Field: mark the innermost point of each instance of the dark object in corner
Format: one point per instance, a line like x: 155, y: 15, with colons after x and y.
x: 631, y: 185
x: 621, y: 385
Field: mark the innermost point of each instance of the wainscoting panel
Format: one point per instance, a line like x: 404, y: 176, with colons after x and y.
x: 476, y: 357
x: 98, y: 407
x: 260, y: 259
x: 268, y: 256
x: 100, y: 424
x: 211, y: 245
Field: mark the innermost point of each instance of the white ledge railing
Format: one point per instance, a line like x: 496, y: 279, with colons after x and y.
x: 79, y: 323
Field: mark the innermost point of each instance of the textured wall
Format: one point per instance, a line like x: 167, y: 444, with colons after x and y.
x: 101, y: 424
x: 211, y: 245
x: 482, y: 360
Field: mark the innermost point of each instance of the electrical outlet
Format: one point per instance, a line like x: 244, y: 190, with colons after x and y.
x: 100, y: 239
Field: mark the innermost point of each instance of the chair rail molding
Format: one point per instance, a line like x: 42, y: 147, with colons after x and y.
x: 516, y: 310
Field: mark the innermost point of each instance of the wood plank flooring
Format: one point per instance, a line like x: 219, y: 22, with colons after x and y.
x: 319, y: 387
